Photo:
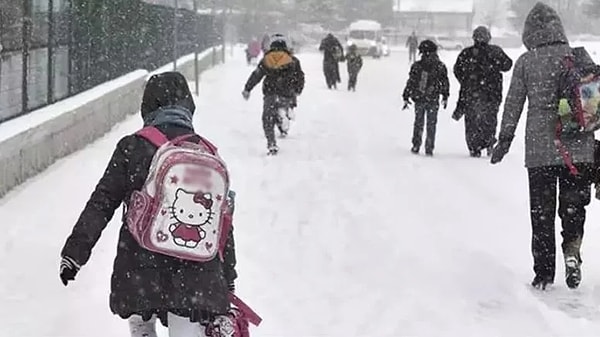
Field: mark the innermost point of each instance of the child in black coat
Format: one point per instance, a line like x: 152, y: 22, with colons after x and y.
x: 354, y: 63
x: 428, y: 80
x: 184, y: 294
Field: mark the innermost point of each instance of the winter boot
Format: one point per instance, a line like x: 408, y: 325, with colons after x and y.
x: 415, y: 150
x: 429, y: 153
x: 542, y: 282
x: 273, y: 149
x: 572, y: 272
x: 571, y: 252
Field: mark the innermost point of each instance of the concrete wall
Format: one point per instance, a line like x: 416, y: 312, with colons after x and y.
x: 29, y: 144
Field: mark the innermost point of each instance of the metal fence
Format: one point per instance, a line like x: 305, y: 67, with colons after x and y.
x: 53, y: 49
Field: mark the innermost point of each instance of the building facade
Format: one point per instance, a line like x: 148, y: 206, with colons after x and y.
x: 451, y: 18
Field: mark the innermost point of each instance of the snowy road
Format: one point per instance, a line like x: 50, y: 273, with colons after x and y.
x: 344, y: 234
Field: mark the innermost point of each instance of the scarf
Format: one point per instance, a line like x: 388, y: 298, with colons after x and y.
x: 171, y: 115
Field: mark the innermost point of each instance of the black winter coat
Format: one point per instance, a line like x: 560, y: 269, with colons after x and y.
x: 354, y: 63
x: 479, y: 69
x: 428, y: 80
x: 329, y: 45
x: 282, y: 73
x: 143, y: 282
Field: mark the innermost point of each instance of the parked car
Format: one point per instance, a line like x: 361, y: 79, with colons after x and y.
x: 448, y: 43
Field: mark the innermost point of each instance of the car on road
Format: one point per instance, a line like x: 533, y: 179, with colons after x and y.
x: 448, y: 43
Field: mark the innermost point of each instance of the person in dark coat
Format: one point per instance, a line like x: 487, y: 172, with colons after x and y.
x: 412, y: 43
x: 536, y: 79
x: 427, y: 82
x: 333, y: 53
x: 283, y: 81
x: 479, y: 71
x: 145, y: 284
x: 354, y: 63
x: 265, y: 43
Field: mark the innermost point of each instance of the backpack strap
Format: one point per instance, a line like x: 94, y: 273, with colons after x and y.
x: 153, y: 135
x: 158, y: 139
x: 564, y: 152
x: 209, y: 145
x: 250, y: 314
x: 569, y: 65
x: 227, y: 223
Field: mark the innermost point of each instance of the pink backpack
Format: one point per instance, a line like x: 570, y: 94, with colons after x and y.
x: 236, y: 323
x: 182, y: 209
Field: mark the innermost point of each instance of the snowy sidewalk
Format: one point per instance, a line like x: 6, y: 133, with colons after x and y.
x: 344, y: 234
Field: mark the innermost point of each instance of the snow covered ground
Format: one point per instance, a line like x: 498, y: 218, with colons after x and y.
x: 344, y: 234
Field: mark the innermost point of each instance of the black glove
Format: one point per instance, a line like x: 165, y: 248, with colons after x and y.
x: 406, y: 104
x: 231, y: 287
x: 445, y: 102
x: 501, y: 149
x: 246, y: 94
x: 68, y: 269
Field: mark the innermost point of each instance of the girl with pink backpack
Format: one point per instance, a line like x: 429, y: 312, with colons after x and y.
x: 175, y: 256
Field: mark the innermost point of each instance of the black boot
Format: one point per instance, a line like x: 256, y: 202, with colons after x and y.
x: 415, y: 150
x: 542, y: 282
x: 572, y: 272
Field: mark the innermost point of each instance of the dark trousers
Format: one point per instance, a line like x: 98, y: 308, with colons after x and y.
x: 427, y: 110
x: 481, y: 121
x: 573, y: 196
x: 412, y: 55
x: 331, y: 70
x: 352, y: 79
x: 270, y: 119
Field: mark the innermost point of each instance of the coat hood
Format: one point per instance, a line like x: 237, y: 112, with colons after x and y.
x: 543, y: 27
x: 482, y: 35
x: 166, y: 90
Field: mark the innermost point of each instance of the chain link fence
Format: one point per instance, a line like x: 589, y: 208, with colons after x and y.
x: 53, y: 49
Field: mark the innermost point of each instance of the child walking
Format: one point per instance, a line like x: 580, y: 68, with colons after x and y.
x: 184, y: 274
x: 354, y: 63
x: 428, y: 80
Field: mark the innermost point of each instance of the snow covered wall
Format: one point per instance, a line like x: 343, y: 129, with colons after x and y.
x: 31, y: 143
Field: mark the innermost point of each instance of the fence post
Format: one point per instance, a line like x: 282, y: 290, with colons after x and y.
x: 175, y: 36
x: 26, y: 36
x: 196, y: 70
x: 50, y: 93
x: 214, y: 56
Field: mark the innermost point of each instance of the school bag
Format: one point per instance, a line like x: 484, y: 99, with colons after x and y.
x: 579, y: 100
x: 237, y: 321
x: 427, y: 84
x: 182, y: 209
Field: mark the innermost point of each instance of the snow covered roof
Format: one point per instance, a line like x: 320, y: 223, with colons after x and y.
x: 435, y: 6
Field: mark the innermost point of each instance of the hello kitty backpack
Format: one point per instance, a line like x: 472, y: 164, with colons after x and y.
x: 182, y: 209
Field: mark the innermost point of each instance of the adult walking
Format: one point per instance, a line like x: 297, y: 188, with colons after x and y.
x: 536, y: 78
x: 333, y: 53
x: 412, y: 43
x: 479, y: 71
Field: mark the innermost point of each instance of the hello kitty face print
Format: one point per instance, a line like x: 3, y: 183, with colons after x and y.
x: 190, y: 211
x: 180, y: 210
